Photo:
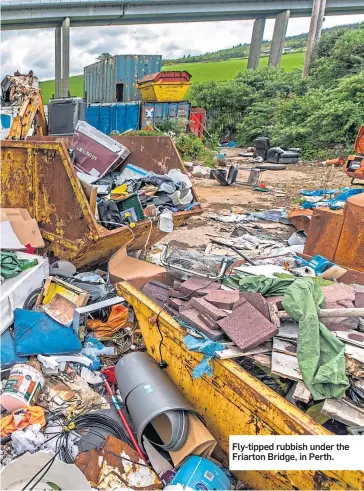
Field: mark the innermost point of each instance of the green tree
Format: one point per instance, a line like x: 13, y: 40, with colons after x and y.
x: 104, y: 56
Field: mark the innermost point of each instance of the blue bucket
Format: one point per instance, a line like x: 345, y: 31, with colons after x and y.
x: 199, y: 473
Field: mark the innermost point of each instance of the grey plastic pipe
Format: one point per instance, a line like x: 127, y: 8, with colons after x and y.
x: 147, y: 393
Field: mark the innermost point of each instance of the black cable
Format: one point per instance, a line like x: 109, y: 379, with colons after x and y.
x: 163, y: 364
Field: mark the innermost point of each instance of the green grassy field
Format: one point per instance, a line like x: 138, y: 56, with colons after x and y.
x: 201, y: 72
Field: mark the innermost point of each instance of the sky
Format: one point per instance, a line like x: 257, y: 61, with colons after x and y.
x: 34, y: 49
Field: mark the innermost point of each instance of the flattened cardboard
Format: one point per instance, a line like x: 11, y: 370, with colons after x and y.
x: 24, y: 226
x: 199, y: 440
x: 9, y: 239
x: 123, y: 267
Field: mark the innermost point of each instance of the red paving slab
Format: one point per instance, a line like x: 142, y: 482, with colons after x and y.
x: 338, y: 291
x: 209, y: 322
x: 247, y: 327
x: 176, y: 303
x: 206, y: 308
x: 176, y: 294
x: 255, y: 299
x: 359, y: 300
x: 191, y: 317
x: 198, y: 287
x: 223, y: 299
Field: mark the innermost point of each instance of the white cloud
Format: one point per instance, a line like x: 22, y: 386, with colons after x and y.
x: 34, y: 49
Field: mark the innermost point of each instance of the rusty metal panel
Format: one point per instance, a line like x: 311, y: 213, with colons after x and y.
x: 350, y: 250
x: 38, y: 174
x: 324, y: 233
x: 301, y: 219
x: 232, y: 401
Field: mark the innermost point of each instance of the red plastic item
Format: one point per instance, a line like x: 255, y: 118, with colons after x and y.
x: 109, y: 375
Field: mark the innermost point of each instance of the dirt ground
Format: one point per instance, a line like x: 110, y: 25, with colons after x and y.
x: 284, y: 187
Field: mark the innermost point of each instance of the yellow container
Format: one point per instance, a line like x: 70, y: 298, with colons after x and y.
x: 164, y: 86
x: 159, y: 92
x: 232, y: 401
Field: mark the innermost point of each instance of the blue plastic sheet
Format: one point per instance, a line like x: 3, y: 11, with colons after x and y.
x: 335, y: 203
x: 318, y: 192
x: 205, y: 346
x: 38, y: 334
x: 339, y: 201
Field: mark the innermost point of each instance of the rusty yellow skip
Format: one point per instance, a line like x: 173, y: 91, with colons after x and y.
x: 37, y: 174
x: 232, y: 401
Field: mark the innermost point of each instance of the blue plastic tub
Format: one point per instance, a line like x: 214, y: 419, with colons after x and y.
x: 201, y: 474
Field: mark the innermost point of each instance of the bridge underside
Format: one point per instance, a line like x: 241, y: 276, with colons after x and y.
x: 91, y: 13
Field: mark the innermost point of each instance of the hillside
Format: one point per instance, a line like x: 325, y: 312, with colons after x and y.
x: 201, y: 72
x: 298, y: 43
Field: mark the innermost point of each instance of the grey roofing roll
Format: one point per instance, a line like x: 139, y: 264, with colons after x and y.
x: 148, y: 393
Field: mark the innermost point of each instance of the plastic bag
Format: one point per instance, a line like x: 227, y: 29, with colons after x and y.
x: 28, y: 440
x: 180, y: 179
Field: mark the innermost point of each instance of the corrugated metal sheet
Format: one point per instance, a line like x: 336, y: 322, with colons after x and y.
x: 152, y: 112
x: 119, y: 117
x: 101, y: 78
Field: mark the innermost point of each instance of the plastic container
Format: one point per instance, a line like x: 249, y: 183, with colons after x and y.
x: 22, y: 387
x: 199, y: 473
x: 132, y: 205
x: 166, y: 221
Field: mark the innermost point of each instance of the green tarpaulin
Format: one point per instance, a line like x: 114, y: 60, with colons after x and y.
x: 320, y: 354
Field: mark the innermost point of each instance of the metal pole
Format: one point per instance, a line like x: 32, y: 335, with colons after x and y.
x: 311, y: 36
x: 279, y: 36
x: 58, y: 61
x: 320, y: 20
x: 66, y: 56
x: 256, y: 43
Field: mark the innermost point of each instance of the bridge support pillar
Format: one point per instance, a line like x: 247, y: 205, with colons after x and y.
x: 320, y: 20
x: 58, y: 61
x: 66, y: 57
x: 256, y: 43
x: 311, y: 36
x: 279, y: 35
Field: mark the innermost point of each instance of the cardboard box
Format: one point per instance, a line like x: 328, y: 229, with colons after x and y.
x: 125, y: 268
x: 24, y: 226
x: 199, y: 440
x: 54, y: 286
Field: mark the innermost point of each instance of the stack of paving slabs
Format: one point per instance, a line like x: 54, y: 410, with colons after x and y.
x: 200, y: 303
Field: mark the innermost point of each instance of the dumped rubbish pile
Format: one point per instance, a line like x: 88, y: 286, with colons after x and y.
x: 129, y: 194
x: 15, y: 88
x: 79, y: 389
x: 98, y: 383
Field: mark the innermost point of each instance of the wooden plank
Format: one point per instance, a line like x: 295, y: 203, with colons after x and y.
x: 93, y: 199
x: 235, y: 352
x: 273, y: 313
x: 355, y: 353
x: 301, y: 392
x: 288, y: 331
x: 343, y: 411
x: 262, y: 360
x: 324, y: 313
x: 351, y: 337
x: 284, y: 346
x: 285, y: 366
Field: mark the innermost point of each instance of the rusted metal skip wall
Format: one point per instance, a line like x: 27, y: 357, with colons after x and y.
x: 232, y: 401
x: 39, y: 175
